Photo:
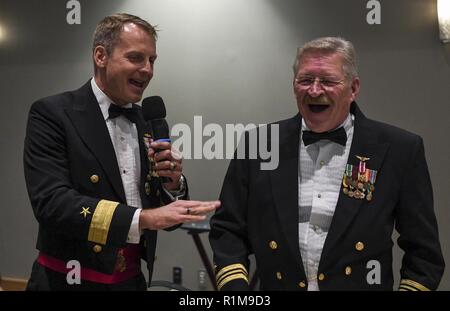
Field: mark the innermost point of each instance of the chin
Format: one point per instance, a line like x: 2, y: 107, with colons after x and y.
x: 134, y: 98
x: 318, y: 126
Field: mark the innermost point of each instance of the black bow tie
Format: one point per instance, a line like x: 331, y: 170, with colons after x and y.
x: 130, y: 113
x: 338, y: 136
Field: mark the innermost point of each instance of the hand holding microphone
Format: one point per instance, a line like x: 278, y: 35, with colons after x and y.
x: 168, y: 163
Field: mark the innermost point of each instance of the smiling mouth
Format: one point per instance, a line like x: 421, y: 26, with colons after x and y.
x: 317, y: 108
x: 137, y: 83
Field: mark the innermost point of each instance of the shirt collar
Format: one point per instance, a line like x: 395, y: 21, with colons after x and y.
x: 103, y: 100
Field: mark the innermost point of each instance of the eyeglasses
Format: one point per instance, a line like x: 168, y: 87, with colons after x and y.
x: 326, y: 83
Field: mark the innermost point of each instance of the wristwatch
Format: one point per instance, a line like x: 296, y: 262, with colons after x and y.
x: 181, y: 189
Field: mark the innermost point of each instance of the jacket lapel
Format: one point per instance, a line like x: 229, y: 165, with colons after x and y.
x: 149, y: 200
x: 88, y: 120
x: 366, y: 144
x: 284, y: 182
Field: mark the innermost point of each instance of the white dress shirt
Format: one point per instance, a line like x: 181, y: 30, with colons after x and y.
x: 124, y: 138
x: 321, y: 167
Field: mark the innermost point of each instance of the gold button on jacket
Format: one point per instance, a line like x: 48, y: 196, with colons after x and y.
x: 279, y: 277
x: 94, y: 179
x: 97, y: 248
x: 359, y: 246
x: 348, y: 270
x: 273, y: 245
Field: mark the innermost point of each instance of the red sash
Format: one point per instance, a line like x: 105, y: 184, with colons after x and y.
x: 127, y: 266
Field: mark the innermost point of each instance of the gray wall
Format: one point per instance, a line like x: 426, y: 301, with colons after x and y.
x: 228, y: 61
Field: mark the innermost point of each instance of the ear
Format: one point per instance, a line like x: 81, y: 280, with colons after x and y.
x: 294, y: 86
x: 100, y: 56
x: 355, y: 88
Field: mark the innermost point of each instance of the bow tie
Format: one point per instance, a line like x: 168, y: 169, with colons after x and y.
x: 338, y: 136
x: 130, y: 113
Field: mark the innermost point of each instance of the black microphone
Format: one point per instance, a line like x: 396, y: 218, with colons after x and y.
x: 155, y: 112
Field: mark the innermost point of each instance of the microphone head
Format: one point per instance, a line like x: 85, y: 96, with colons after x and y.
x: 160, y: 129
x: 153, y: 108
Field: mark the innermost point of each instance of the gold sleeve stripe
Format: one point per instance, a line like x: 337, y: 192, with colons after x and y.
x: 414, y: 284
x: 231, y: 278
x: 229, y: 268
x: 101, y: 220
x: 228, y: 273
x: 408, y: 288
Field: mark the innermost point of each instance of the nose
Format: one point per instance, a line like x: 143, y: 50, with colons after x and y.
x: 315, y: 90
x: 147, y: 68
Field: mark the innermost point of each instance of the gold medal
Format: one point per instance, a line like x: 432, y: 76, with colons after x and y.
x: 147, y: 188
x: 358, y: 180
x: 344, y: 181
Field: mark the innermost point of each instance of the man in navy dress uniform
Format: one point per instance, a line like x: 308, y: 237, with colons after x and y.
x: 93, y: 175
x: 323, y: 219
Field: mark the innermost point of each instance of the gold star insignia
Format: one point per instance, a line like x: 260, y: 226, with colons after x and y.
x: 85, y: 211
